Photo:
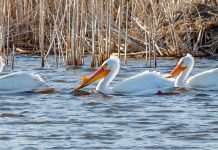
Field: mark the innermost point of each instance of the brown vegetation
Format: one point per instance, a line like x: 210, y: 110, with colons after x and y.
x: 69, y: 29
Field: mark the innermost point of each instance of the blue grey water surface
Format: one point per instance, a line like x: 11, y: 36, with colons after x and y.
x: 183, y: 119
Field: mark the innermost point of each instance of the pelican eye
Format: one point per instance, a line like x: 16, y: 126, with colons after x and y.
x: 181, y: 64
x: 104, y: 66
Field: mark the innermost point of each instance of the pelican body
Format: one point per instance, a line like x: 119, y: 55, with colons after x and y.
x: 204, y: 80
x: 141, y: 84
x: 207, y: 79
x: 20, y: 82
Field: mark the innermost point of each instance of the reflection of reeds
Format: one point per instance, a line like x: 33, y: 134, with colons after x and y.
x: 69, y: 29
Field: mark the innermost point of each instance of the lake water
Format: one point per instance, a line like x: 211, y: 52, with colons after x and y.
x: 185, y: 119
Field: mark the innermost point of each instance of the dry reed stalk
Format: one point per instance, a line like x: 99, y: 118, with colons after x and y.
x: 8, y: 30
x: 154, y: 26
x: 150, y: 48
x: 103, y: 31
x: 12, y: 57
x: 17, y: 18
x: 1, y: 26
x: 106, y: 28
x: 55, y: 55
x: 41, y: 33
x: 125, y: 50
x: 80, y: 43
x: 84, y: 31
x: 119, y: 26
x: 145, y: 35
x: 68, y: 35
x: 93, y: 61
x: 78, y: 61
x: 71, y: 28
x: 109, y: 28
x: 73, y: 34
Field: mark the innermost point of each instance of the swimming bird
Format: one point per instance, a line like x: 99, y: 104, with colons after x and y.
x: 20, y: 81
x: 141, y: 84
x: 204, y: 80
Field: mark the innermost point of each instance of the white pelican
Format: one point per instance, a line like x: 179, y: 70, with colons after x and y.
x: 204, y: 80
x: 21, y: 82
x: 141, y: 84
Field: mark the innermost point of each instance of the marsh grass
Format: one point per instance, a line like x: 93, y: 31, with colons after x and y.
x: 70, y: 29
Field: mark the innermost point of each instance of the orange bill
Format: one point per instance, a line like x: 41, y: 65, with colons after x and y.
x: 177, y: 70
x: 99, y: 74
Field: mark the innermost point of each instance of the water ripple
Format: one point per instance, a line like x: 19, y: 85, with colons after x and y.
x: 183, y: 119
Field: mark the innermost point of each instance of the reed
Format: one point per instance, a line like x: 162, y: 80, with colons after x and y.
x: 94, y: 19
x: 42, y: 30
x: 125, y: 50
x: 12, y: 57
x: 8, y: 29
x: 72, y: 29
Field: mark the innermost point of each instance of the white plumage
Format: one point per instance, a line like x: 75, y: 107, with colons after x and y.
x: 20, y: 82
x: 204, y: 80
x: 142, y: 84
x: 145, y: 82
x: 207, y: 79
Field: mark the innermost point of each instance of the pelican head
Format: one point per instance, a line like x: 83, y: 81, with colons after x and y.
x: 185, y: 63
x: 108, y: 70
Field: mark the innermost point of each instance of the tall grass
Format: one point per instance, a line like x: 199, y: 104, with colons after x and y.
x: 70, y: 29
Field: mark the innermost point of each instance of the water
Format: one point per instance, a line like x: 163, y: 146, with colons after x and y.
x: 185, y: 119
